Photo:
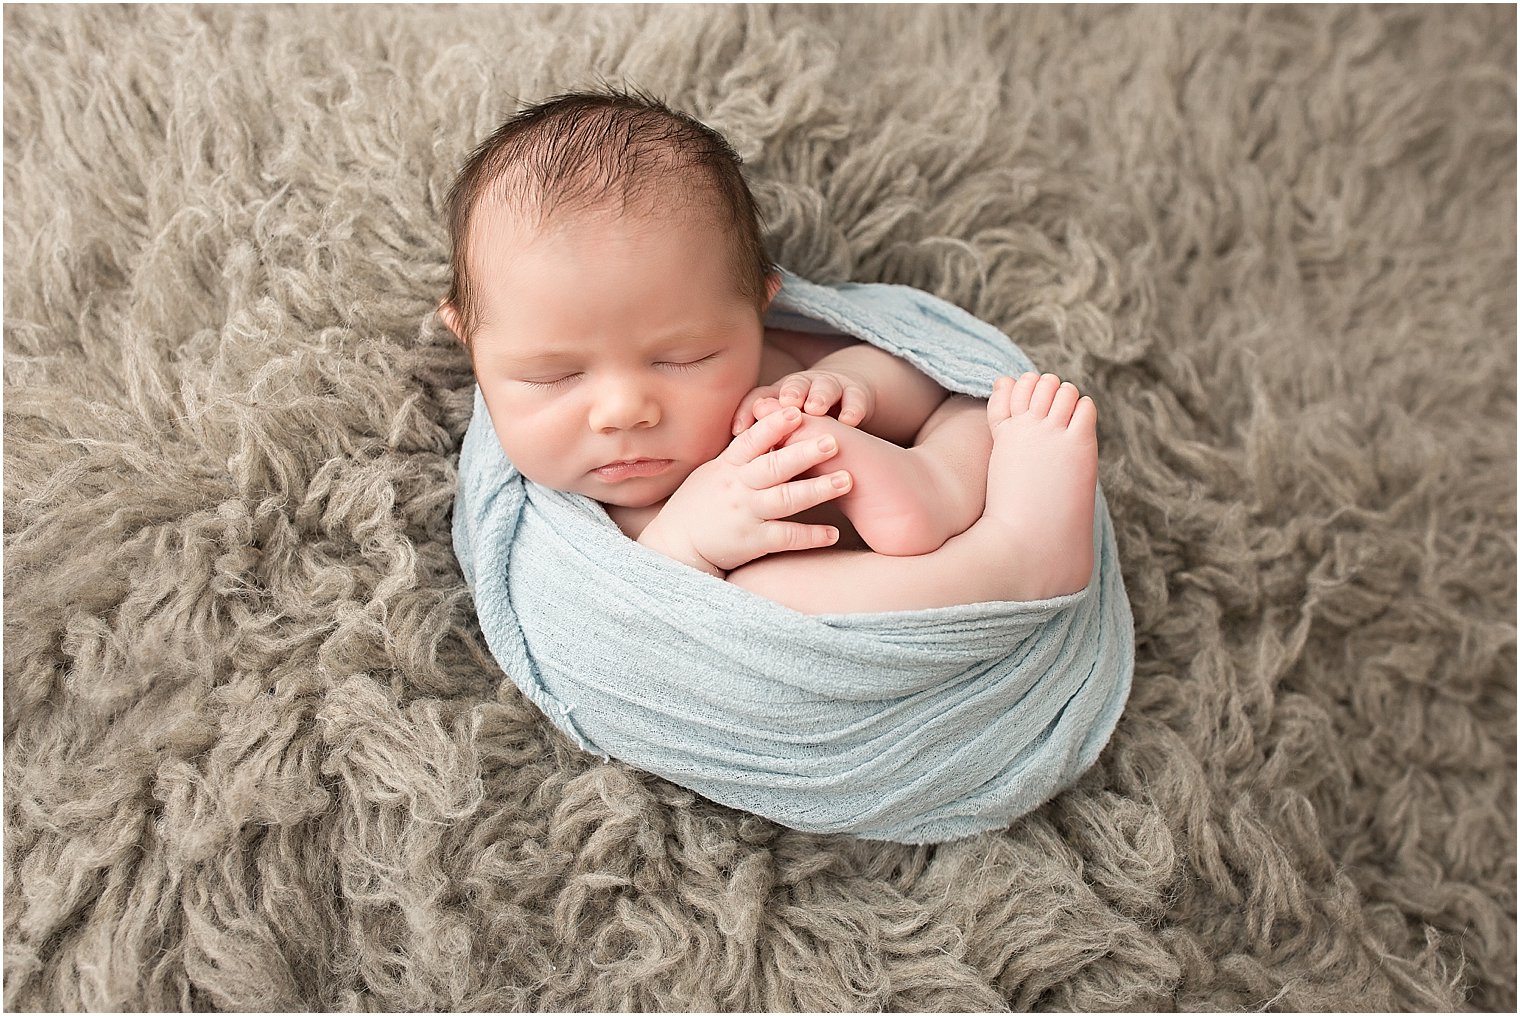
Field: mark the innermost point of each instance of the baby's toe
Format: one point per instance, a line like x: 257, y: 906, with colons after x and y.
x: 1023, y: 391
x: 1084, y: 419
x: 997, y: 402
x: 1064, y: 402
x: 1043, y: 394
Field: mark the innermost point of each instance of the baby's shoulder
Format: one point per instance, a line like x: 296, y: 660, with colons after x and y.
x: 776, y: 363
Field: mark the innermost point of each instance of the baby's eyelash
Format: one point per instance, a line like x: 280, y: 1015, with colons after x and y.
x: 691, y: 364
x: 550, y: 384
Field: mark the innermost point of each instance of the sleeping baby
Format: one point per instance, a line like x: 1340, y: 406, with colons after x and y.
x: 610, y: 283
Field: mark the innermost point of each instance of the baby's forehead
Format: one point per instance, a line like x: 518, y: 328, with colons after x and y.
x: 511, y: 224
x: 503, y: 217
x: 658, y: 185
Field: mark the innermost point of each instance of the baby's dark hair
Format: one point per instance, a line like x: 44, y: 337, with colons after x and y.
x: 604, y: 148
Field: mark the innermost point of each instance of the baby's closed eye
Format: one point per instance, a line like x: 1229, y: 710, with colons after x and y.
x: 548, y: 384
x: 688, y: 364
x: 680, y: 365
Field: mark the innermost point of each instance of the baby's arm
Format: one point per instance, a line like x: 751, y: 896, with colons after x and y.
x: 1033, y: 541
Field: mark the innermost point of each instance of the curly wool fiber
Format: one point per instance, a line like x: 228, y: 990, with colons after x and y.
x: 257, y: 756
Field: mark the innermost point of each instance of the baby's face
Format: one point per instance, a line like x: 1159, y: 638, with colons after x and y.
x: 607, y: 340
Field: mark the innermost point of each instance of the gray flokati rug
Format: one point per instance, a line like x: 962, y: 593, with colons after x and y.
x: 258, y: 758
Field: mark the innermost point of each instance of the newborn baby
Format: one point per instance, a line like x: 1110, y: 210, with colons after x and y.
x: 610, y: 284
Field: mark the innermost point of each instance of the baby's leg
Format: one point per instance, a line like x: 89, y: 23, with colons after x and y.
x: 905, y: 501
x: 1042, y: 480
x: 956, y: 443
x: 1033, y: 540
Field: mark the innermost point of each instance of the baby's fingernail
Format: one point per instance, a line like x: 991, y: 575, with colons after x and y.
x: 840, y: 480
x: 791, y: 415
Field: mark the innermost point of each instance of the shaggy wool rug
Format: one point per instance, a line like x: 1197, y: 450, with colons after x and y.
x: 257, y: 756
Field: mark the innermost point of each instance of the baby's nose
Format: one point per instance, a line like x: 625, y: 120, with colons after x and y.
x: 623, y: 409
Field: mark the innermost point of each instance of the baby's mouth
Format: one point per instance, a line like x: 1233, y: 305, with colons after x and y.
x: 627, y: 470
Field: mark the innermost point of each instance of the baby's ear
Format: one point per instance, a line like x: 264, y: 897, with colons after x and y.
x: 452, y: 321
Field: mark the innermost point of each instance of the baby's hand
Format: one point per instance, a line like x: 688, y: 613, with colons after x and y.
x: 815, y: 392
x: 724, y: 514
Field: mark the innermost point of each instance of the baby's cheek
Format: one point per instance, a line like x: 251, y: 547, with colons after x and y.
x: 542, y: 454
x: 740, y: 378
x: 711, y: 444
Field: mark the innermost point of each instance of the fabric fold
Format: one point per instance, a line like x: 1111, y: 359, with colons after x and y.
x: 909, y: 726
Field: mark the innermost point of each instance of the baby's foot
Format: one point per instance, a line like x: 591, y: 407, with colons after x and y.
x: 1042, y: 482
x: 896, y: 504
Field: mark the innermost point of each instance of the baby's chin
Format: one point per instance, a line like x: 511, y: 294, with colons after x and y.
x: 624, y: 501
x: 634, y: 493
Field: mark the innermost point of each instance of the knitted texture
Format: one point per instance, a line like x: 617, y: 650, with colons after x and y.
x: 258, y: 757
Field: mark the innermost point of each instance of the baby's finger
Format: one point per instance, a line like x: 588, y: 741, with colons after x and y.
x: 780, y: 536
x: 794, y: 389
x: 765, y: 406
x: 825, y: 392
x: 753, y: 406
x: 763, y: 435
x: 784, y: 463
x: 787, y: 499
x: 853, y: 410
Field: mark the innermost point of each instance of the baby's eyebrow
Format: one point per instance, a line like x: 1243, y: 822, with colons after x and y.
x: 546, y: 356
x: 667, y: 344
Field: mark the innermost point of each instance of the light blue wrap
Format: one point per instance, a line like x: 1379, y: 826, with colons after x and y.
x: 910, y: 726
